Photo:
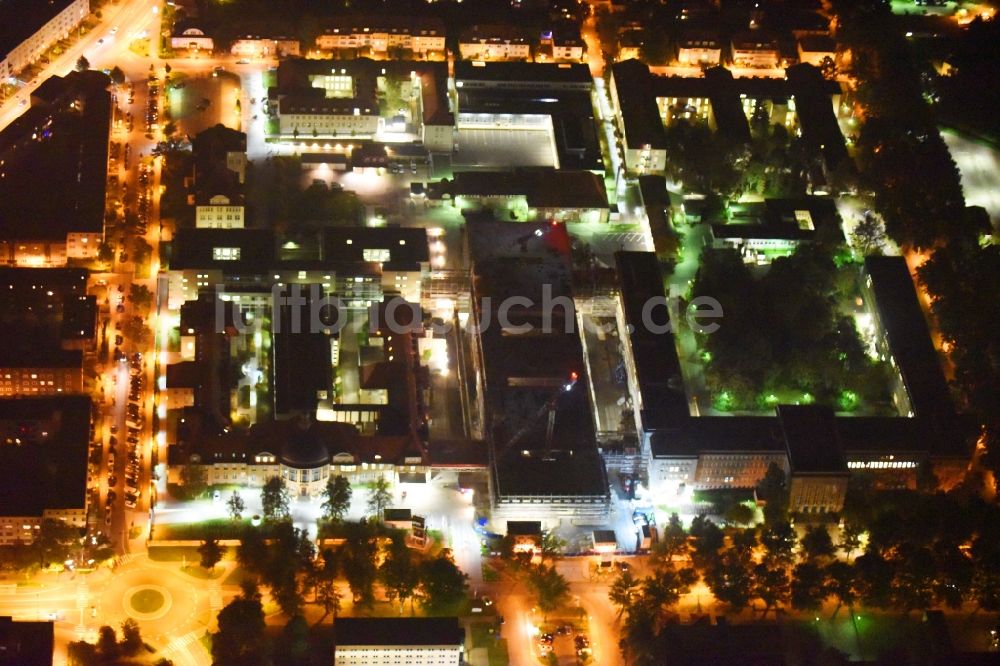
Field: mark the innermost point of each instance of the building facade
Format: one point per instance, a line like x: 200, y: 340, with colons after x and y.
x: 31, y: 27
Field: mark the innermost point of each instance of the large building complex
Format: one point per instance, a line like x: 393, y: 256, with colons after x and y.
x: 556, y: 98
x: 64, y: 135
x: 339, y: 99
x: 29, y: 27
x: 530, y: 377
x: 817, y: 448
x: 803, y: 102
x: 44, y: 444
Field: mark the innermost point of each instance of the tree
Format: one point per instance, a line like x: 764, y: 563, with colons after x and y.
x: 551, y: 545
x: 194, y: 479
x: 662, y: 590
x: 740, y: 514
x: 107, y: 643
x: 442, y: 584
x: 773, y: 490
x: 731, y: 580
x: 379, y: 497
x: 399, y: 573
x: 778, y: 540
x: 240, y: 640
x: 550, y: 588
x: 106, y: 253
x: 808, y: 587
x: 82, y: 64
x: 295, y: 640
x: 840, y: 583
x: 131, y: 638
x: 850, y: 539
x: 816, y: 542
x: 672, y: 543
x: 54, y: 542
x: 358, y: 562
x: 141, y: 250
x: 624, y: 591
x: 82, y: 653
x: 868, y: 236
x: 211, y: 553
x: 140, y: 295
x: 236, y: 505
x: 274, y: 499
x: 770, y: 584
x: 252, y: 552
x: 708, y: 539
x: 336, y: 498
x: 327, y: 595
x: 117, y: 75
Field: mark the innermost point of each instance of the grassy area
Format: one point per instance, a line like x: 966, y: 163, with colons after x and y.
x: 147, y: 601
x: 484, y: 635
x: 236, y: 577
x: 179, y: 553
x: 197, y: 571
x: 490, y: 574
x: 219, y: 528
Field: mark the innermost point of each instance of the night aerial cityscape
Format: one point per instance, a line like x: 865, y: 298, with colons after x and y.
x: 499, y: 332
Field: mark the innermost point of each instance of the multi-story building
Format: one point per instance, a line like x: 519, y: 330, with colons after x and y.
x: 553, y: 97
x: 64, y: 136
x: 686, y: 451
x: 563, y: 196
x: 561, y: 43
x: 339, y: 98
x: 266, y: 47
x: 755, y: 50
x: 220, y: 161
x: 494, y: 42
x: 699, y: 49
x: 47, y: 372
x: 529, y: 373
x: 30, y: 27
x: 804, y: 103
x: 816, y: 49
x: 415, y: 641
x: 380, y: 35
x: 44, y: 445
x: 358, y: 264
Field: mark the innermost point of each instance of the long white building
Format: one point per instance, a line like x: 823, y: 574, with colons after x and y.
x: 29, y: 27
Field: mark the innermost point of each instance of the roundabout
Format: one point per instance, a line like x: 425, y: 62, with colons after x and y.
x: 147, y: 602
x: 160, y: 599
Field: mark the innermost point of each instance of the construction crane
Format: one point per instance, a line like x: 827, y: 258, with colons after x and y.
x: 547, y: 409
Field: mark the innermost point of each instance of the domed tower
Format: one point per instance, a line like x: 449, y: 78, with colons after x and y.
x: 305, y: 460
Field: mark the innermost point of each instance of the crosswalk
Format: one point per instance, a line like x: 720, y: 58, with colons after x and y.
x: 125, y: 559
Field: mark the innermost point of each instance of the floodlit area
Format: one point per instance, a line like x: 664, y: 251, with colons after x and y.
x: 979, y: 166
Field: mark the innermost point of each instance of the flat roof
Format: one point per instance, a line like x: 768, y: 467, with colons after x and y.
x: 524, y: 527
x: 657, y: 365
x: 407, y: 246
x: 637, y: 104
x: 67, y: 141
x: 820, y: 128
x: 194, y: 249
x: 48, y: 468
x: 907, y: 336
x: 26, y: 643
x: 511, y: 74
x: 542, y: 188
x: 20, y: 19
x: 398, y: 631
x: 811, y: 440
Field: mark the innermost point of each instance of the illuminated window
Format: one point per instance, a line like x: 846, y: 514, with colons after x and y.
x: 225, y: 253
x: 374, y: 254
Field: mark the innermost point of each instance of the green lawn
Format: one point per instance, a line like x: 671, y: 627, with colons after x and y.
x: 220, y: 528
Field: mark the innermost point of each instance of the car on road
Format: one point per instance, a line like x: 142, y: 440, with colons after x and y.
x: 112, y: 481
x: 119, y: 340
x: 112, y: 496
x: 121, y: 306
x: 107, y: 518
